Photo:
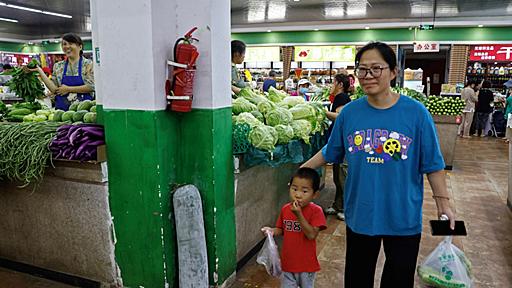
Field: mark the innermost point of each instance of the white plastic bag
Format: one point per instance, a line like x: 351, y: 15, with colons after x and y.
x: 269, y: 257
x: 446, y: 267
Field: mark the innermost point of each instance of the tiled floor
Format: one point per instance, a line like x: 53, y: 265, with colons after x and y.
x: 478, y: 184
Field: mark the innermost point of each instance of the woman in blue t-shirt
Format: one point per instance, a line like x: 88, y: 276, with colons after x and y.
x: 389, y: 142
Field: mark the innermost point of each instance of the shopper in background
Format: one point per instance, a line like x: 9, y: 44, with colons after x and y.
x: 339, y: 88
x: 237, y: 57
x: 483, y: 108
x: 73, y: 79
x: 389, y: 141
x: 303, y: 87
x: 270, y: 81
x: 469, y: 96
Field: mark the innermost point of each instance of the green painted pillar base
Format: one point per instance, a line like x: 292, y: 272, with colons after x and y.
x: 148, y: 153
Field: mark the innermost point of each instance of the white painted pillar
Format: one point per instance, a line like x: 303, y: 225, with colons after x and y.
x: 135, y: 38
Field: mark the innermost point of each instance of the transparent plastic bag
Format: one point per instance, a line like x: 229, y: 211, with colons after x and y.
x: 269, y: 257
x: 446, y: 267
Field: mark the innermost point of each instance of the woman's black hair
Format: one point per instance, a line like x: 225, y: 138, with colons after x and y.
x: 73, y: 38
x: 272, y: 73
x: 237, y: 46
x: 343, y: 79
x: 308, y: 174
x: 6, y: 66
x: 385, y: 51
x: 487, y: 84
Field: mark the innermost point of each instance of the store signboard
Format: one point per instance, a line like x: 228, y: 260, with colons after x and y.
x: 262, y: 54
x: 491, y: 53
x: 422, y: 47
x: 325, y: 53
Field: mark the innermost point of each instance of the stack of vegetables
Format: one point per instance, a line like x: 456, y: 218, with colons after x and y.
x: 18, y: 111
x: 436, y: 105
x: 277, y: 118
x: 24, y: 152
x: 77, y: 142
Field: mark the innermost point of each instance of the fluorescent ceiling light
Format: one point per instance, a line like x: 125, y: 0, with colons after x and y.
x: 447, y: 9
x: 35, y: 10
x: 509, y: 8
x: 334, y: 12
x: 269, y: 31
x: 356, y: 8
x: 367, y: 27
x: 422, y: 8
x: 480, y: 26
x: 276, y: 11
x: 9, y: 20
x: 256, y: 13
x: 316, y: 29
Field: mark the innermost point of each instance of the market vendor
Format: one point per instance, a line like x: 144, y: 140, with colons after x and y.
x: 303, y: 87
x: 73, y: 78
x: 237, y: 57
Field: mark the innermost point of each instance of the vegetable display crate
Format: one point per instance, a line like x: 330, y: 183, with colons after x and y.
x: 447, y: 127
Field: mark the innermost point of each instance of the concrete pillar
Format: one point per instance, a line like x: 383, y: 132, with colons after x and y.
x: 151, y: 149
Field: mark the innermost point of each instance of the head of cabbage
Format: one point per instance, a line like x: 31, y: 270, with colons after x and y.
x: 279, y: 116
x: 265, y: 106
x: 263, y: 137
x: 251, y: 95
x: 241, y: 105
x: 284, y: 133
x: 301, y: 129
x: 258, y: 115
x: 291, y: 101
x: 275, y: 95
x: 248, y: 118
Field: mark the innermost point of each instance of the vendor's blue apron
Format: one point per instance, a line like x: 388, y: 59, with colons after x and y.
x: 61, y: 101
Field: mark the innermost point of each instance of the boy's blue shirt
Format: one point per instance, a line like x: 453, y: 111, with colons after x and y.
x: 388, y: 151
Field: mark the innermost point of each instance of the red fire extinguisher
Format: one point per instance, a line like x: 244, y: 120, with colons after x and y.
x: 179, y: 89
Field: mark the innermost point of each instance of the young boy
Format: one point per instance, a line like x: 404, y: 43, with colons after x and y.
x: 299, y: 223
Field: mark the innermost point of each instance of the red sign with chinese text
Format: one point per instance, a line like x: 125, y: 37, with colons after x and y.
x: 491, y: 53
x: 426, y: 47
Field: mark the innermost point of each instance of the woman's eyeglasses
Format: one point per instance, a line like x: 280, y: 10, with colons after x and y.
x: 376, y: 71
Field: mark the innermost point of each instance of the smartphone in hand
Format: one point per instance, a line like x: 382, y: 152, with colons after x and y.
x: 442, y: 228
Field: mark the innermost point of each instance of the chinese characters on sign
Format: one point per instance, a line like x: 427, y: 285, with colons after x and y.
x: 325, y: 53
x: 426, y: 47
x: 491, y: 53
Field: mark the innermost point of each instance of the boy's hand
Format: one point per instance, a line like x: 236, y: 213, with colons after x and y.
x: 296, y: 208
x: 267, y: 230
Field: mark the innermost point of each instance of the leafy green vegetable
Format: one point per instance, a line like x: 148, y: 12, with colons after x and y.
x: 358, y: 93
x: 258, y: 115
x: 284, y: 133
x: 301, y: 130
x: 275, y: 95
x: 250, y: 95
x: 265, y: 106
x: 248, y: 118
x: 241, y: 105
x: 291, y: 101
x: 26, y: 85
x: 303, y: 111
x: 263, y: 137
x: 279, y: 116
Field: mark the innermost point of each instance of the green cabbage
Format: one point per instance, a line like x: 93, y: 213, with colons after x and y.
x: 279, y: 116
x: 291, y: 101
x: 248, y: 118
x: 303, y: 111
x: 301, y: 129
x: 263, y: 137
x: 241, y: 105
x: 252, y: 96
x: 284, y: 133
x: 275, y: 95
x: 258, y: 115
x: 265, y: 106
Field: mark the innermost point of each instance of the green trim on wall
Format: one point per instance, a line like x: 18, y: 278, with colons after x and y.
x: 37, y: 48
x: 142, y: 163
x: 207, y: 162
x: 149, y: 152
x: 395, y: 35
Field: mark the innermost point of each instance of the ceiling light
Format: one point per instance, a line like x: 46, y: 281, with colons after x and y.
x: 9, y: 20
x: 367, y: 28
x: 296, y: 0
x: 35, y: 10
x: 256, y: 13
x: 316, y: 29
x: 276, y: 11
x: 269, y: 31
x: 480, y: 26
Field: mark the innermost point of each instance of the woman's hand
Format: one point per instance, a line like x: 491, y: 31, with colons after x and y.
x: 63, y: 90
x: 29, y: 70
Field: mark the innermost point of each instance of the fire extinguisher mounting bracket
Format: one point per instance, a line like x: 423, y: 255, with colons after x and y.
x: 172, y: 63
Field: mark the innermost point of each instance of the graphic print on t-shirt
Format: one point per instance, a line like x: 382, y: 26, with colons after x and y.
x: 381, y: 145
x: 292, y: 226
